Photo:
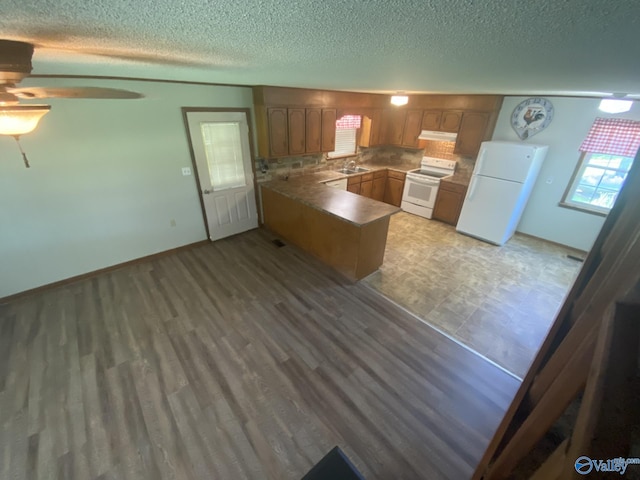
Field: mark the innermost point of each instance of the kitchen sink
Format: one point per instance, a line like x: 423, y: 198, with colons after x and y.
x: 351, y: 171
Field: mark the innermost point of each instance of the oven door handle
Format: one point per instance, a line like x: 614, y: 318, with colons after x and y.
x: 423, y: 181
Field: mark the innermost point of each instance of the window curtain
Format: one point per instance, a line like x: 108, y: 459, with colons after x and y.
x: 613, y: 136
x: 347, y: 122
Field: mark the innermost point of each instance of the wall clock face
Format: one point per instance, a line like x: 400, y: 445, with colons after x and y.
x: 531, y: 116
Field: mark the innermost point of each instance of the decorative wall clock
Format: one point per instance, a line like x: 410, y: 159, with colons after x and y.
x: 531, y: 116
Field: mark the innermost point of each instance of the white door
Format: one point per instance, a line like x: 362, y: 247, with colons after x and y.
x: 220, y: 143
x: 491, y: 209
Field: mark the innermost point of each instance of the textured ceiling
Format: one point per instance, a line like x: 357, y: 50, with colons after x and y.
x: 469, y: 46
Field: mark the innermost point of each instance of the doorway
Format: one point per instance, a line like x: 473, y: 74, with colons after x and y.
x: 221, y: 151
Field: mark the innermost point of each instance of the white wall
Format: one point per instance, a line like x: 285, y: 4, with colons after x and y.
x: 543, y: 217
x: 104, y: 184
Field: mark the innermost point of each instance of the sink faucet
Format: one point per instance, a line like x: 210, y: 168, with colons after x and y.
x: 350, y: 165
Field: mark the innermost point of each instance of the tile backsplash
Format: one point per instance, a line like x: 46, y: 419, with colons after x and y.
x: 409, y: 157
x: 308, y: 164
x: 440, y: 150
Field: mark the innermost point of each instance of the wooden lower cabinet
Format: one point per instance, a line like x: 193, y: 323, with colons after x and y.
x: 353, y: 250
x: 372, y: 185
x: 379, y: 184
x: 449, y: 202
x: 353, y: 184
x: 366, y: 188
x: 394, y: 187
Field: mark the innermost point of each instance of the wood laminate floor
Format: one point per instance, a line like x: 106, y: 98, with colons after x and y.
x: 235, y: 360
x: 499, y: 301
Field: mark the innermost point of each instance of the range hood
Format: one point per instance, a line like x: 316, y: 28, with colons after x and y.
x: 437, y: 136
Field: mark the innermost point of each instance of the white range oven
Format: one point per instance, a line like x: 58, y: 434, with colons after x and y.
x: 421, y: 185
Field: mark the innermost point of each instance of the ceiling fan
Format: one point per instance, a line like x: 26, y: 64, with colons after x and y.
x: 17, y: 119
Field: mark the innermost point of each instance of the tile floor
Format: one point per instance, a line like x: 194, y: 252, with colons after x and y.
x: 499, y: 301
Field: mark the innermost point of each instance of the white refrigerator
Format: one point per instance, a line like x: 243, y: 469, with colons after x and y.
x: 502, y: 180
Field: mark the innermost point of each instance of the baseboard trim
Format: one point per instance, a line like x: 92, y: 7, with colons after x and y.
x: 582, y: 252
x: 84, y: 276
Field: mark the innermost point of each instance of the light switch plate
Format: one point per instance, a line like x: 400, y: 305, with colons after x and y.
x: 186, y: 171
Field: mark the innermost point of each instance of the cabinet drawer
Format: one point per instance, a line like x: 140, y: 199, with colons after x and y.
x: 379, y: 174
x: 354, y: 180
x: 395, y: 174
x: 452, y: 187
x: 367, y: 177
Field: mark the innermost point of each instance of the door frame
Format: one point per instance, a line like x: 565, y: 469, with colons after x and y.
x: 194, y: 169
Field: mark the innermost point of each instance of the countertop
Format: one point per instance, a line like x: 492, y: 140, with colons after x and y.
x: 353, y: 208
x: 459, y: 178
x: 328, y: 175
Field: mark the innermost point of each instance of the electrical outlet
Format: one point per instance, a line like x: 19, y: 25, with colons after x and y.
x: 172, y: 222
x: 549, y: 180
x: 186, y: 171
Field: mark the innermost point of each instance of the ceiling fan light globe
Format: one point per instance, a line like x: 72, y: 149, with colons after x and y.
x: 21, y: 119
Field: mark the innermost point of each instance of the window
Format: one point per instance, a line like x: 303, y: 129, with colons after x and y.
x: 346, y: 128
x: 223, y: 150
x: 607, y: 156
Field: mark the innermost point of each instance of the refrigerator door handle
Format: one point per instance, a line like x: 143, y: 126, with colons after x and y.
x: 478, y: 167
x: 472, y: 187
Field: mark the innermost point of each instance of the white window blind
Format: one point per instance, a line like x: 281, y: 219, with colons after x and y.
x: 346, y: 128
x: 223, y: 149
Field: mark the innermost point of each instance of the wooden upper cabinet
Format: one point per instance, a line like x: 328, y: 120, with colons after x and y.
x: 376, y: 121
x: 370, y: 129
x: 293, y: 121
x: 328, y: 129
x: 297, y: 131
x: 278, y: 131
x: 473, y: 131
x: 412, y: 127
x: 431, y: 120
x: 313, y: 126
x: 393, y: 126
x: 450, y: 121
x: 441, y: 120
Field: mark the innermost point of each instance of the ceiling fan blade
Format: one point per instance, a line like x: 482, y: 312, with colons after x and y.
x: 73, y: 92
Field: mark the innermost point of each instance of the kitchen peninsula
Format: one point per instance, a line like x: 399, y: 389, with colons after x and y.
x: 342, y: 229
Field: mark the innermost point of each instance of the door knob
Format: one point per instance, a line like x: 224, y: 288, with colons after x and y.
x: 207, y: 192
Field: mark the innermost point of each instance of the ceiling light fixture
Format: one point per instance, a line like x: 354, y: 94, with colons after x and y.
x: 399, y: 100
x: 16, y: 120
x: 21, y: 119
x: 611, y: 105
